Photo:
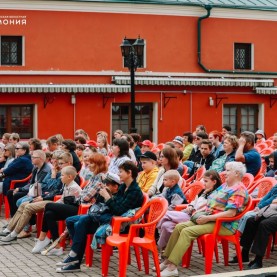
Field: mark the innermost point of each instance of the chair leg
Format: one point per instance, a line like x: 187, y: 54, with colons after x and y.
x: 199, y: 246
x: 123, y: 252
x: 89, y: 251
x: 187, y: 257
x: 61, y: 230
x: 225, y: 248
x: 238, y: 252
x: 39, y: 222
x: 137, y: 254
x: 216, y: 252
x: 7, y: 207
x: 106, y: 255
x: 209, y: 252
x: 268, y: 248
x: 156, y: 262
x: 1, y: 203
x: 145, y: 257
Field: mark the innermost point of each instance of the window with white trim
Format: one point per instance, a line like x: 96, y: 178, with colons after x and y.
x: 17, y: 119
x: 243, y: 56
x: 11, y: 50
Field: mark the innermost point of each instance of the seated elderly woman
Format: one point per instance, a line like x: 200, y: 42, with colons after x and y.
x: 226, y: 201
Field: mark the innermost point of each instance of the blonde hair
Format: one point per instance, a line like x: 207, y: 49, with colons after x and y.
x: 66, y: 157
x: 69, y: 170
x: 172, y: 174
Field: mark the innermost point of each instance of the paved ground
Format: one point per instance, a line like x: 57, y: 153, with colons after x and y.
x: 17, y: 260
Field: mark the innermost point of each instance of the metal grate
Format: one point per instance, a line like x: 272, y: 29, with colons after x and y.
x: 242, y: 56
x: 11, y: 50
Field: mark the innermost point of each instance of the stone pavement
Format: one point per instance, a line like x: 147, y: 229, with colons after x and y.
x: 17, y: 260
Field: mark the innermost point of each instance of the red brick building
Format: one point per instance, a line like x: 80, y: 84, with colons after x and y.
x: 61, y: 66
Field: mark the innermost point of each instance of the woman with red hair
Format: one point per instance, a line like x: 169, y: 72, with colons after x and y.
x: 215, y: 138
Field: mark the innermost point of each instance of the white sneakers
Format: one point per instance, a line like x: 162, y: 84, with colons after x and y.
x: 162, y: 267
x: 169, y: 273
x: 40, y: 245
x: 53, y: 252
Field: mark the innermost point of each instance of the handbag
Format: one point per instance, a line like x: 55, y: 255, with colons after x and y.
x: 71, y: 200
x: 267, y: 211
x: 35, y: 190
x: 196, y: 215
x: 96, y: 210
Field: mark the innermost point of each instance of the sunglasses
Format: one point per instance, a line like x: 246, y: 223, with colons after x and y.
x: 17, y: 148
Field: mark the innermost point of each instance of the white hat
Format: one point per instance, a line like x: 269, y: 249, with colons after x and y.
x: 260, y: 132
x: 112, y: 177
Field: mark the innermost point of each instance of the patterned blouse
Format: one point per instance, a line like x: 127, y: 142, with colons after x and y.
x: 225, y: 198
x: 92, y: 188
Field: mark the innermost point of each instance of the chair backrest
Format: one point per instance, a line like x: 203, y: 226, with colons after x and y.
x: 25, y: 180
x: 193, y: 190
x: 264, y: 185
x: 266, y: 151
x: 248, y: 180
x: 263, y: 167
x: 200, y: 173
x: 157, y: 209
x: 222, y: 176
x: 262, y: 145
x: 185, y: 171
x: 82, y: 182
x: 269, y: 142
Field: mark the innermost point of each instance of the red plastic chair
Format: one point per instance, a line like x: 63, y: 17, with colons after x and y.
x: 248, y: 180
x: 193, y: 190
x: 157, y: 208
x: 185, y: 171
x: 269, y: 142
x: 222, y: 176
x: 197, y: 176
x: 12, y: 186
x: 266, y: 151
x: 210, y: 242
x: 264, y: 185
x: 262, y: 145
x: 89, y: 251
x: 270, y: 245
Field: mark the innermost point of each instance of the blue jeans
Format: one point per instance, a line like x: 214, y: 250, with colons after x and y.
x: 23, y: 199
x: 78, y: 227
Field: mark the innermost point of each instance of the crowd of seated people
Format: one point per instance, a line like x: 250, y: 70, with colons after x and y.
x: 82, y: 171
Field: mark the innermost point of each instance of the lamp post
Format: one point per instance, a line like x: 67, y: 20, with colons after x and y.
x: 133, y: 57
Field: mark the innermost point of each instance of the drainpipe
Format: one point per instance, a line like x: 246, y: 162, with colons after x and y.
x: 199, y: 45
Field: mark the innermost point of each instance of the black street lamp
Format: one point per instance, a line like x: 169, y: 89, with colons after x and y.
x: 133, y: 58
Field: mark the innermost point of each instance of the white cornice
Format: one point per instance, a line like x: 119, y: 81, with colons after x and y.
x: 169, y: 10
x: 126, y: 73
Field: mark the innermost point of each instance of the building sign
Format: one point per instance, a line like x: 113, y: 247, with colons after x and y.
x: 10, y: 20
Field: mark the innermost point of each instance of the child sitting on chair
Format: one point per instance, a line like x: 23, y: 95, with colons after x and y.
x: 172, y: 191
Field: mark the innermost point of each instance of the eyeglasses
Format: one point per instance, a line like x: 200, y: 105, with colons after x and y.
x: 35, y: 157
x: 17, y: 148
